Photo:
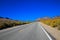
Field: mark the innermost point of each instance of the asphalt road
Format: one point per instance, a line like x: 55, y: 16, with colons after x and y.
x: 33, y: 31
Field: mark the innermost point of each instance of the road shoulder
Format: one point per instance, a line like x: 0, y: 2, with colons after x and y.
x: 54, y: 32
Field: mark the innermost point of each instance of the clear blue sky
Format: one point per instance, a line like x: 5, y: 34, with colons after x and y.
x: 29, y: 9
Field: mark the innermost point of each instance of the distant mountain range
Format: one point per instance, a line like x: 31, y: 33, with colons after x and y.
x: 6, y: 22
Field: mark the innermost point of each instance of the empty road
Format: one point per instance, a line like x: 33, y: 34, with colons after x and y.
x: 32, y: 31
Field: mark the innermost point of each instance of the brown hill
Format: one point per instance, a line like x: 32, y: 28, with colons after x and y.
x: 54, y: 22
x: 7, y: 22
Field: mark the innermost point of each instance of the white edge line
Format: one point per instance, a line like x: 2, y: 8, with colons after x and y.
x: 46, y: 33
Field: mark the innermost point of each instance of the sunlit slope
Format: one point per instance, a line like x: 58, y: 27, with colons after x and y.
x: 53, y: 22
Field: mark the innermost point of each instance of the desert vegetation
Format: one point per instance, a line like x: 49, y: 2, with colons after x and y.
x: 7, y: 23
x: 53, y: 22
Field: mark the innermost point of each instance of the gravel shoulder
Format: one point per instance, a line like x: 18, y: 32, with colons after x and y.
x: 53, y: 31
